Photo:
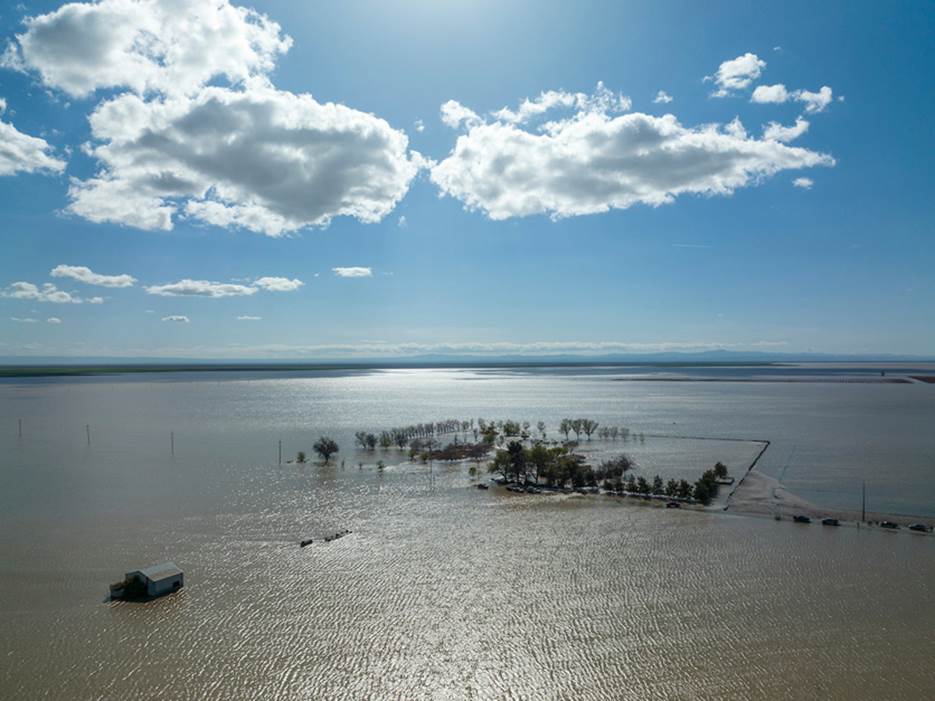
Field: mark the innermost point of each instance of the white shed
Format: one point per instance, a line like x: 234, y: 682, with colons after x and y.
x: 164, y: 578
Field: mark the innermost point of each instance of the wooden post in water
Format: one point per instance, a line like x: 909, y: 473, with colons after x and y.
x: 87, y: 430
x: 280, y: 451
x: 863, y: 501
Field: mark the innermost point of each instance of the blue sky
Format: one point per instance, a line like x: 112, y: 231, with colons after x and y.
x: 240, y: 177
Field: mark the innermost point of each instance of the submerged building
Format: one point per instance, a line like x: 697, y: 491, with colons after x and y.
x: 150, y: 582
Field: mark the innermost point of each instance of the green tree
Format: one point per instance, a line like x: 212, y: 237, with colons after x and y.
x: 672, y: 488
x: 511, y: 428
x: 539, y: 457
x: 517, y: 460
x: 401, y: 439
x: 720, y: 470
x: 300, y: 457
x: 325, y: 447
x: 589, y: 427
x: 684, y: 489
x: 702, y: 492
x: 657, y: 485
x: 361, y: 438
x: 501, y: 464
x: 642, y: 486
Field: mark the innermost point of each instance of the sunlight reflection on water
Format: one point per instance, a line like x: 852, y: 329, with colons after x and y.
x: 444, y: 591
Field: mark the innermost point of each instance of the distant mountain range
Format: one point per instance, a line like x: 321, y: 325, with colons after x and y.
x: 443, y: 360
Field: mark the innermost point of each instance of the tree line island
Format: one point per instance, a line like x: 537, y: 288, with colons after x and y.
x: 524, y: 458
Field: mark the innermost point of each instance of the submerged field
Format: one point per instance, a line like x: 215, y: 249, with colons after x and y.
x: 443, y: 590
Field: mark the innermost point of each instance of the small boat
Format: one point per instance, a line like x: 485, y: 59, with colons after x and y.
x: 305, y: 543
x: 673, y: 505
x: 828, y: 521
x: 801, y: 519
x: 921, y: 527
x: 890, y: 525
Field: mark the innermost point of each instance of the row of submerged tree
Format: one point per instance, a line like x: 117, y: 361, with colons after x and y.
x: 402, y: 436
x: 542, y: 463
x: 425, y: 434
x: 561, y: 467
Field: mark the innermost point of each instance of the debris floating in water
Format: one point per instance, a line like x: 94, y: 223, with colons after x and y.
x: 327, y: 539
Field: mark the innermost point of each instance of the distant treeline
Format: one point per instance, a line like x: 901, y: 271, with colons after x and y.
x: 491, y: 432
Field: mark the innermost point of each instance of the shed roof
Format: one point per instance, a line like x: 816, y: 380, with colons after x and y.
x: 163, y: 570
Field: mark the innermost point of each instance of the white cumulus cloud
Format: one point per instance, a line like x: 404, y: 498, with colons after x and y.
x: 168, y: 46
x: 261, y: 159
x: 804, y: 183
x: 180, y: 318
x: 354, y: 271
x: 770, y: 94
x: 737, y: 74
x: 21, y: 153
x: 200, y: 288
x: 777, y: 94
x: 454, y: 114
x: 815, y: 101
x: 217, y: 290
x: 22, y: 320
x: 662, y: 97
x: 89, y: 277
x: 601, y: 100
x: 53, y: 320
x: 278, y: 284
x: 249, y: 318
x: 774, y: 131
x: 47, y: 293
x: 593, y: 161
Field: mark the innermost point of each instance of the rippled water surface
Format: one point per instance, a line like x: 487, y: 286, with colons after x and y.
x: 444, y: 591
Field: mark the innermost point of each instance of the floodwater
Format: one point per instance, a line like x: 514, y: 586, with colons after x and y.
x: 442, y: 590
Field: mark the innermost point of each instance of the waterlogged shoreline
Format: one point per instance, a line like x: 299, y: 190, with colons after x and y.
x: 753, y: 494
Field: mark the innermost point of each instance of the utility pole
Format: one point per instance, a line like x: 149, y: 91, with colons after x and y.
x: 172, y: 441
x: 87, y: 430
x: 19, y: 428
